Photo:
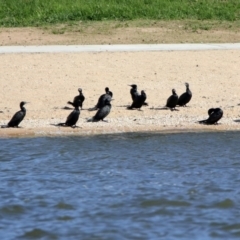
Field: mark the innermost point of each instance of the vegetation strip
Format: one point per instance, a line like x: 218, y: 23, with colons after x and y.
x: 37, y: 13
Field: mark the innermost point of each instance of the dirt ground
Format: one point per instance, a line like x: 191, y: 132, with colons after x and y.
x: 48, y: 81
x: 128, y: 32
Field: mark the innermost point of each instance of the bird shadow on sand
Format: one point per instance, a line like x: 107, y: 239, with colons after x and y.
x: 71, y: 108
x: 57, y: 125
x: 237, y: 120
x: 208, y: 124
x: 67, y: 108
x: 123, y: 106
x: 6, y: 126
x: 128, y: 107
x: 183, y: 106
x: 91, y: 120
x: 136, y: 109
x: 163, y: 108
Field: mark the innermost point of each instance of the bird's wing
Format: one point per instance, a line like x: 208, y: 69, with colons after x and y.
x: 182, y: 97
x: 102, y: 113
x: 17, y: 118
x: 214, y: 117
x: 72, y: 118
x: 169, y: 100
x: 76, y: 98
x: 100, y: 100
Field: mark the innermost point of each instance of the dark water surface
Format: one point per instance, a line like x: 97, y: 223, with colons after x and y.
x: 129, y: 186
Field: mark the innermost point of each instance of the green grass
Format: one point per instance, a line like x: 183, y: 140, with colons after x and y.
x: 17, y: 13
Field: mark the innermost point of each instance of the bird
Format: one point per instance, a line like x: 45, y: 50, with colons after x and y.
x: 134, y: 93
x: 138, y: 101
x: 17, y: 117
x: 185, y: 97
x: 108, y: 91
x: 72, y: 117
x: 215, y: 114
x: 102, y: 112
x: 172, y: 100
x: 101, y: 101
x: 79, y: 98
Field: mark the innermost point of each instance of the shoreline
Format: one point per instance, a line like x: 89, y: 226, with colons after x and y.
x: 98, y: 130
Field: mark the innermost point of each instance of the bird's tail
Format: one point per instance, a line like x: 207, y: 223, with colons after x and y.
x: 61, y: 124
x: 162, y: 108
x: 93, y: 119
x: 202, y: 121
x: 129, y: 108
x: 92, y: 109
x: 90, y: 119
x: 71, y: 103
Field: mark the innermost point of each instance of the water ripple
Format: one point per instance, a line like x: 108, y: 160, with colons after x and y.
x: 123, y: 186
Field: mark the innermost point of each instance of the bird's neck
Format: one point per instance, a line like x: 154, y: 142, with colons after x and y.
x: 23, y: 108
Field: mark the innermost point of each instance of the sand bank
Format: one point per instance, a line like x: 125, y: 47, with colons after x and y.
x: 49, y: 80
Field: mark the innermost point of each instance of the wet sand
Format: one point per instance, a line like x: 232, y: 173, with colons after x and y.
x: 49, y: 80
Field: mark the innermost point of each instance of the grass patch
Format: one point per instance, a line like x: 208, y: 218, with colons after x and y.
x: 19, y: 13
x: 58, y: 31
x: 105, y: 27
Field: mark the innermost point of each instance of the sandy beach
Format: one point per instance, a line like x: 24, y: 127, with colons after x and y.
x: 49, y: 80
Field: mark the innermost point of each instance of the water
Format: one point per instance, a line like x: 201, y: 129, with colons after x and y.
x: 129, y: 186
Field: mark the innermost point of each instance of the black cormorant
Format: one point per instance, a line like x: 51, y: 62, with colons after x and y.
x: 72, y: 117
x: 172, y: 100
x: 215, y: 114
x: 134, y: 93
x: 17, y: 117
x: 138, y: 101
x: 185, y: 97
x: 102, y: 112
x: 108, y: 92
x: 79, y: 98
x: 101, y: 101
